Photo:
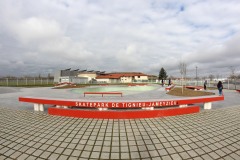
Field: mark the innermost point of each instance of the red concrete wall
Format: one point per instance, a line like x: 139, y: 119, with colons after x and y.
x: 126, y: 114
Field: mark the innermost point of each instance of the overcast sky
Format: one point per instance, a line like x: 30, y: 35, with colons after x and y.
x: 39, y: 37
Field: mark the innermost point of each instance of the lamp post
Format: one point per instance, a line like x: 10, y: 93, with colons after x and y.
x: 196, y: 75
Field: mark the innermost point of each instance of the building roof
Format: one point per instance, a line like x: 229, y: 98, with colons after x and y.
x: 118, y: 75
x: 86, y: 72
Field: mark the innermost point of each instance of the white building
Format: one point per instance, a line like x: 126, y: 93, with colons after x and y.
x: 70, y: 76
x: 89, y: 75
x: 122, y: 77
x: 75, y: 76
x: 71, y: 79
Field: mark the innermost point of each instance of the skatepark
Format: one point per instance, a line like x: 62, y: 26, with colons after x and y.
x: 29, y: 134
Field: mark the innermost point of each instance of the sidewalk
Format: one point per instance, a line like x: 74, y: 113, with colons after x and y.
x: 212, y: 134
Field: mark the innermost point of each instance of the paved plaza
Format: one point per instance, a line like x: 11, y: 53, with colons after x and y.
x: 210, y: 134
x: 207, y: 135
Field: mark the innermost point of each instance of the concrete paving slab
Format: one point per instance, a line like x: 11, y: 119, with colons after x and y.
x: 141, y: 145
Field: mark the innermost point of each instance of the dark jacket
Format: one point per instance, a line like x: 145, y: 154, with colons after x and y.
x: 219, y: 85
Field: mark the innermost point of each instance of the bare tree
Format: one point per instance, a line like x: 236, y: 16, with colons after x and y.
x: 238, y: 77
x: 183, y: 71
x: 211, y: 77
x: 232, y: 74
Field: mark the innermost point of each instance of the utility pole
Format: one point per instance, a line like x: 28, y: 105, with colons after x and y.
x: 196, y: 75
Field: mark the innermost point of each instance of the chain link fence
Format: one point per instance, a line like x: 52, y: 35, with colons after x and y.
x: 25, y: 81
x: 228, y: 84
x: 231, y: 84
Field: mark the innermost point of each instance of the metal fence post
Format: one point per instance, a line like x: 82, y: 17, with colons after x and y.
x: 228, y: 83
x: 7, y: 81
x: 235, y: 83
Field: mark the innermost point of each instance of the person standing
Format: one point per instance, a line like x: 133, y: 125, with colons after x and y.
x: 169, y: 82
x: 205, y: 85
x: 220, y: 87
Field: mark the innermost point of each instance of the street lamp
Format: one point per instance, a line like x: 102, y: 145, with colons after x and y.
x: 196, y: 75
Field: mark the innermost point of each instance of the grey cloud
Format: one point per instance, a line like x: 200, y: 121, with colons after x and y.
x: 137, y: 35
x: 36, y: 30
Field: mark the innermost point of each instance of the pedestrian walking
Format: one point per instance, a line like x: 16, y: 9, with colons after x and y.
x: 169, y: 82
x: 220, y: 87
x: 205, y: 85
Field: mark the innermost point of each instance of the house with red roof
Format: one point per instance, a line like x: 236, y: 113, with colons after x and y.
x: 91, y: 76
x: 122, y: 77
